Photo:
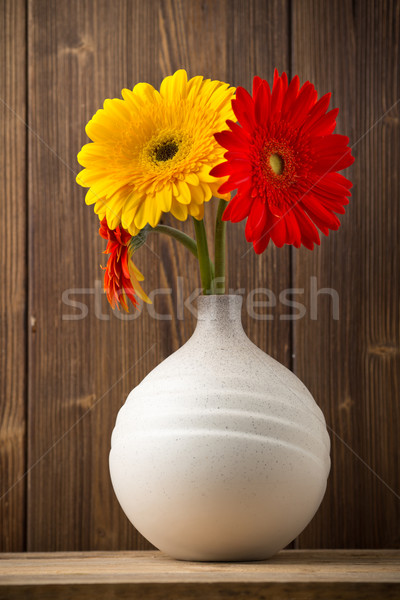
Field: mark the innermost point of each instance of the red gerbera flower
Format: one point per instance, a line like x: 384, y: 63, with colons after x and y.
x: 121, y: 277
x: 283, y: 159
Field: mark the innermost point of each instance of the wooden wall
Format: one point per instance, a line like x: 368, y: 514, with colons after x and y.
x: 63, y: 380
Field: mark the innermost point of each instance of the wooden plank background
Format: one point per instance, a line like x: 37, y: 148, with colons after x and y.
x: 13, y: 288
x: 63, y: 380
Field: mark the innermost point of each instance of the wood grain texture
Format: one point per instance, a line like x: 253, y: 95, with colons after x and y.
x: 352, y: 365
x: 259, y: 43
x: 309, y: 575
x: 13, y: 277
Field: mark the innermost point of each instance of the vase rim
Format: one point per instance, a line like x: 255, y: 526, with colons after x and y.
x: 219, y: 306
x: 213, y: 299
x: 219, y: 296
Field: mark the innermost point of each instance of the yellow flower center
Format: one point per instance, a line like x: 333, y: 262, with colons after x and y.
x: 276, y: 163
x: 165, y: 150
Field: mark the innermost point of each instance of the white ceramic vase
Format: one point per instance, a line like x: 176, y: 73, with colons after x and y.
x: 220, y: 453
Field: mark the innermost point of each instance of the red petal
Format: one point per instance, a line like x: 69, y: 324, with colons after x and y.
x: 291, y: 95
x: 246, y: 101
x: 239, y: 208
x: 278, y: 232
x: 307, y: 228
x: 330, y: 144
x: 332, y: 205
x: 294, y: 234
x: 276, y: 99
x: 303, y: 104
x: 228, y: 140
x: 124, y: 264
x: 317, y: 111
x: 243, y: 108
x: 257, y: 81
x: 239, y: 177
x: 263, y: 236
x: 227, y: 187
x: 256, y: 217
x: 327, y: 164
x: 232, y: 154
x: 330, y: 188
x: 321, y: 216
x: 260, y: 226
x: 284, y: 80
x: 131, y: 295
x: 221, y: 170
x: 325, y: 125
x: 262, y: 103
x: 338, y: 179
x: 261, y: 244
x: 239, y: 131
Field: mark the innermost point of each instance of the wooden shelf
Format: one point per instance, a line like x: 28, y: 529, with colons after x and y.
x: 294, y: 574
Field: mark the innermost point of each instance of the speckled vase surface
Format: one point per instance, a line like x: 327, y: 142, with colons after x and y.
x: 220, y: 453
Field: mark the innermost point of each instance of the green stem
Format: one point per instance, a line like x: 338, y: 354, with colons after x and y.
x: 220, y: 249
x: 206, y: 268
x: 181, y: 237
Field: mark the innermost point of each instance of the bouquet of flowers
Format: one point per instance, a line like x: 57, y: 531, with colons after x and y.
x: 170, y: 151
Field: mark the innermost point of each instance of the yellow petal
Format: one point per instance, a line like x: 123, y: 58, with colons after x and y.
x: 197, y: 194
x: 132, y: 201
x: 207, y: 192
x: 133, y: 269
x: 214, y: 189
x: 135, y: 276
x: 100, y: 210
x: 197, y: 211
x: 127, y: 219
x: 141, y: 216
x: 105, y: 188
x: 116, y: 109
x: 208, y: 88
x: 179, y: 211
x: 194, y: 85
x: 88, y: 177
x: 146, y: 92
x: 204, y: 174
x: 105, y: 130
x: 91, y: 152
x: 132, y: 229
x: 184, y: 192
x: 91, y: 197
x: 133, y: 100
x: 155, y: 212
x: 192, y: 178
x: 164, y: 198
x: 174, y: 86
x: 147, y: 212
x: 113, y: 219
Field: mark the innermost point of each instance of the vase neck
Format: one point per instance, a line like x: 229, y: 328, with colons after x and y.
x: 220, y: 314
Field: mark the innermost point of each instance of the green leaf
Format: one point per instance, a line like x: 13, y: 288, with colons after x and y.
x: 137, y: 241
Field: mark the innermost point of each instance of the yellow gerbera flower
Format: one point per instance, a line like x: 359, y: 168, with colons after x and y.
x: 153, y: 151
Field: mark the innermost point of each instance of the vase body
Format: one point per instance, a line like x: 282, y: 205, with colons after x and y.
x: 220, y: 453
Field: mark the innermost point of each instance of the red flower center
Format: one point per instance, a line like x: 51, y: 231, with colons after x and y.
x: 278, y: 164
